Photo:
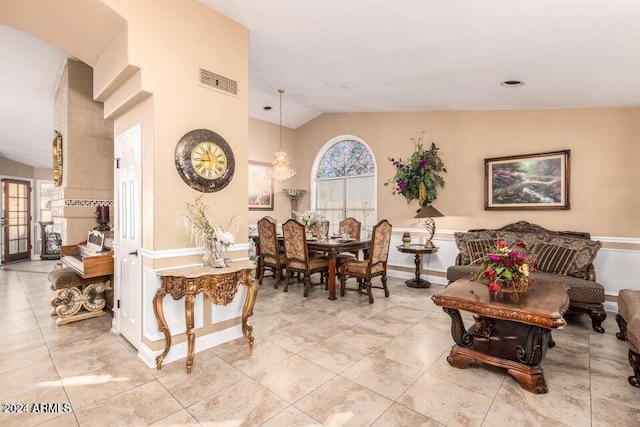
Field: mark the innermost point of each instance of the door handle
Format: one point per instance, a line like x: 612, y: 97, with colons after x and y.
x: 134, y: 253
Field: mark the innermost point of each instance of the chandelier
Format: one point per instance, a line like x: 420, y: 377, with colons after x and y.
x: 280, y: 169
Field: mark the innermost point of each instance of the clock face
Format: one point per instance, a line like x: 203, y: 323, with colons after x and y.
x: 204, y: 160
x: 208, y: 160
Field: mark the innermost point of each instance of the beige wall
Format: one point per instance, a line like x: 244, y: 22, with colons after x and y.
x: 264, y: 140
x: 12, y: 168
x: 604, y: 152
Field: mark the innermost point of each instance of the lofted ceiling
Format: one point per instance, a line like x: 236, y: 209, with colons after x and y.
x: 385, y: 55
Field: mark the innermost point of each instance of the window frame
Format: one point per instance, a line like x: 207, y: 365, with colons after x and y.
x: 316, y: 164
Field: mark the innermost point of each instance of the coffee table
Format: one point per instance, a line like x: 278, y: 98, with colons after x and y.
x: 511, y: 333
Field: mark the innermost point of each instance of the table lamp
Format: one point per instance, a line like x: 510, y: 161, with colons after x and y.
x: 429, y: 212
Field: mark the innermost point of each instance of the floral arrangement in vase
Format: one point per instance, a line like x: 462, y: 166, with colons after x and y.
x: 419, y: 177
x: 310, y: 218
x: 505, y: 269
x: 208, y: 235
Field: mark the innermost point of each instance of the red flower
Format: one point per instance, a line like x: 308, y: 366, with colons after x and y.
x: 521, y: 244
x: 493, y: 287
x: 489, y: 272
x: 501, y: 243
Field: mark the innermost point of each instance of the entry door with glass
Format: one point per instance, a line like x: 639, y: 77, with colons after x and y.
x: 16, y: 220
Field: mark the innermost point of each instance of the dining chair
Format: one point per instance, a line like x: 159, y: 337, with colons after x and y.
x: 270, y: 252
x: 297, y: 255
x: 375, y: 265
x: 351, y: 227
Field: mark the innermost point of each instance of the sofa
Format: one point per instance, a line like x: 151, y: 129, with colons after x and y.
x: 564, y: 257
x: 628, y: 319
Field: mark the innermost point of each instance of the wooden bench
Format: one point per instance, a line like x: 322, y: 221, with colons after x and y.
x: 76, y: 298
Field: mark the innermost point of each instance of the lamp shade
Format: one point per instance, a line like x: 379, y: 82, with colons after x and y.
x: 428, y: 211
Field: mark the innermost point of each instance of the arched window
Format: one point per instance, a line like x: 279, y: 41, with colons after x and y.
x: 344, y: 182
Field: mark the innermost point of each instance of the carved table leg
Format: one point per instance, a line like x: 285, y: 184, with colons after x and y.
x: 458, y: 332
x: 531, y: 381
x: 331, y: 276
x: 459, y: 360
x: 247, y: 309
x: 162, y: 324
x: 191, y: 335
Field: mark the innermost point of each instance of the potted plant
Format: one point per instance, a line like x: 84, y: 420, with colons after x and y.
x: 418, y: 178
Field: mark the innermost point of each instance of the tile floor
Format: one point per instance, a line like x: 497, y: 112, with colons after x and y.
x: 315, y: 362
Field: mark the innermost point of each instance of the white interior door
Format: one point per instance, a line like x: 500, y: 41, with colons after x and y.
x: 128, y: 265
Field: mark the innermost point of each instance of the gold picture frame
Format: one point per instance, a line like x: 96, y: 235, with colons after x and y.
x: 527, y: 182
x: 261, y: 187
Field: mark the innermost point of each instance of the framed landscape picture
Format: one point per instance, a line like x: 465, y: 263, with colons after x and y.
x: 260, y: 186
x: 530, y: 181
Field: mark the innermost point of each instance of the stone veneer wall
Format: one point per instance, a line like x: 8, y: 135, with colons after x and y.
x: 87, y: 179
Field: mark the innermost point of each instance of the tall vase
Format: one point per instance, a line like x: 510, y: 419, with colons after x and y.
x: 213, y: 255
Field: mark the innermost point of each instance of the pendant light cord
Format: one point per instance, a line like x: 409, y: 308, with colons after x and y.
x: 281, y: 92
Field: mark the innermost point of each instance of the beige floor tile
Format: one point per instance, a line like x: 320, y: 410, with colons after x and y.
x: 269, y: 325
x: 37, y: 414
x: 26, y: 356
x: 426, y: 334
x: 341, y: 402
x: 560, y: 403
x: 609, y: 413
x: 207, y: 377
x: 365, y: 336
x: 504, y: 412
x: 66, y: 346
x: 68, y: 420
x: 17, y: 327
x: 102, y: 383
x: 293, y: 378
x: 89, y: 360
x: 291, y: 416
x: 19, y: 340
x: 180, y: 419
x: 73, y: 330
x: 334, y: 354
x: 28, y: 378
x: 482, y: 378
x: 446, y: 402
x: 400, y: 416
x: 296, y: 315
x: 250, y: 361
x: 225, y: 408
x: 615, y: 388
x: 411, y: 353
x: 296, y: 338
x: 139, y: 406
x: 12, y: 316
x: 384, y: 376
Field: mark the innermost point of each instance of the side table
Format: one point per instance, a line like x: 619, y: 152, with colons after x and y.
x: 418, y: 250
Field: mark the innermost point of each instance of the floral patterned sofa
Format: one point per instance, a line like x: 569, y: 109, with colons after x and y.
x: 564, y: 257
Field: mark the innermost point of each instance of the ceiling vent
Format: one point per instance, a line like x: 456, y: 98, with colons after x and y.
x: 216, y: 81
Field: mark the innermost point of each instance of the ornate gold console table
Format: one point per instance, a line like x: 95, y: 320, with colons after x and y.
x: 217, y: 284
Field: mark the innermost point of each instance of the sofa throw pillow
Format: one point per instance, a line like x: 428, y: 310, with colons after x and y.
x: 476, y: 248
x: 587, y: 251
x: 554, y: 259
x: 462, y: 237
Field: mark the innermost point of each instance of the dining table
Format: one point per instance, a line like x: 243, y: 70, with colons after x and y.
x: 332, y: 247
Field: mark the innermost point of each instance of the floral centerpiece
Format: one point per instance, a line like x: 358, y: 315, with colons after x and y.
x: 505, y: 269
x: 206, y: 234
x: 419, y: 177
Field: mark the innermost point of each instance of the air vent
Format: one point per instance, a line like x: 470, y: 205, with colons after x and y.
x: 216, y: 81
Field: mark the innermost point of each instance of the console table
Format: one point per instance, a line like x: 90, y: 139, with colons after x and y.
x: 219, y: 285
x: 419, y: 250
x: 509, y: 333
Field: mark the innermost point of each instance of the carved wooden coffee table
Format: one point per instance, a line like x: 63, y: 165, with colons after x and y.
x: 511, y: 333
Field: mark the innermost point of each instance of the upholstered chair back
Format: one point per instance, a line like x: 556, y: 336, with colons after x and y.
x: 380, y: 241
x: 295, y: 241
x: 268, y: 239
x: 351, y: 226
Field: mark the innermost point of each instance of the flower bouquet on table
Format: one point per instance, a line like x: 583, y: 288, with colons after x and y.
x: 310, y: 219
x: 209, y: 236
x: 505, y: 269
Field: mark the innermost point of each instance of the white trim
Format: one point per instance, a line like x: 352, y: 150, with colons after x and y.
x: 179, y: 351
x: 603, y: 239
x: 182, y: 252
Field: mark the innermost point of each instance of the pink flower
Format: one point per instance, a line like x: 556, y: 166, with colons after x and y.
x: 489, y: 272
x: 501, y: 243
x: 521, y: 244
x: 493, y: 287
